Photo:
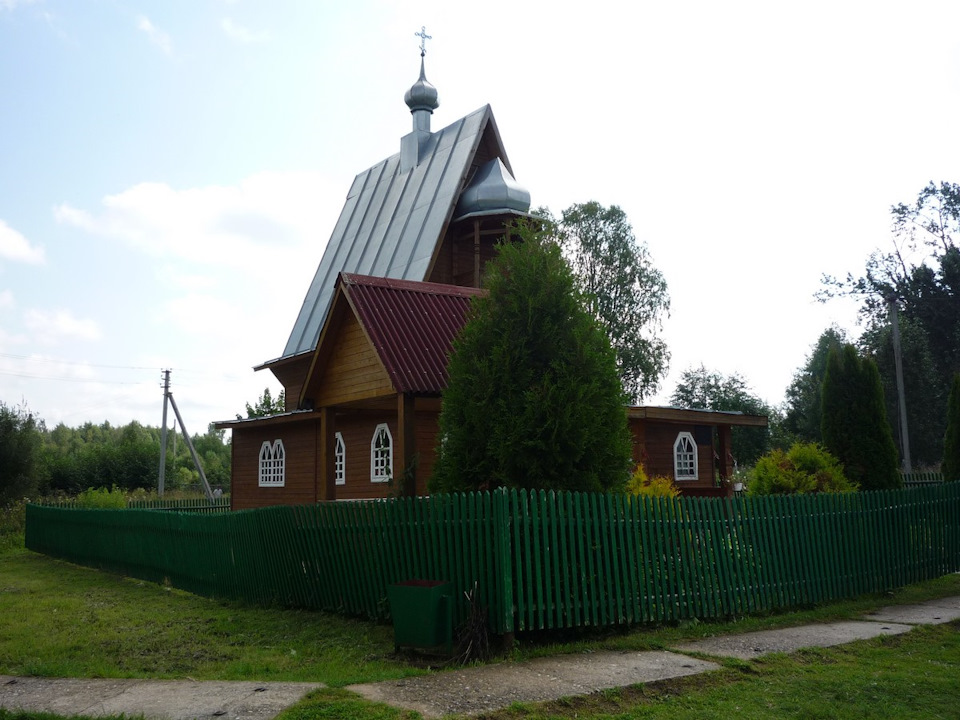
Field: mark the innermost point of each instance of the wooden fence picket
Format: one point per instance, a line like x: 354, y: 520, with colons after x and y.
x: 539, y: 559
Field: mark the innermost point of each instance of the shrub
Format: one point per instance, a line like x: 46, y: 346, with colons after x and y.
x: 657, y: 486
x: 102, y: 498
x: 805, y: 468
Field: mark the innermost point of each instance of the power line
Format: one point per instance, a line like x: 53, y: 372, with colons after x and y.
x: 76, y: 364
x: 69, y: 379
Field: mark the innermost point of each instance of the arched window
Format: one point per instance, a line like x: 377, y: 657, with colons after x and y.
x: 685, y: 466
x: 381, y: 454
x: 272, y: 464
x: 340, y: 458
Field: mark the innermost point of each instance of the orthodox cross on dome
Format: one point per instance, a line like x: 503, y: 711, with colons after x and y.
x: 423, y: 39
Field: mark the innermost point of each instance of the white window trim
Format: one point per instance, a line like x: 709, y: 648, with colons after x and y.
x: 340, y: 460
x: 273, y: 461
x: 381, y: 455
x: 680, y: 461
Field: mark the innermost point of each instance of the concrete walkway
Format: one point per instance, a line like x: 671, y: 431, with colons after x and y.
x: 467, y: 691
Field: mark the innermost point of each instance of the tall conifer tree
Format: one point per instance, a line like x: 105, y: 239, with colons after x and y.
x: 534, y: 399
x: 854, y: 421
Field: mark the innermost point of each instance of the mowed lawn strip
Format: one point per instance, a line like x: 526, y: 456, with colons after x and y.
x: 62, y: 620
x: 65, y: 620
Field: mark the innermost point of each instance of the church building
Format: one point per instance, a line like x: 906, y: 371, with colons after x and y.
x: 365, y: 364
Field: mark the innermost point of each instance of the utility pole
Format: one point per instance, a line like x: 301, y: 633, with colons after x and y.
x: 163, y: 434
x: 901, y: 396
x: 168, y: 397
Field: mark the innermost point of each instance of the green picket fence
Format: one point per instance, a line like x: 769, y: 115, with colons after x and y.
x: 201, y: 505
x: 540, y: 559
x: 921, y: 478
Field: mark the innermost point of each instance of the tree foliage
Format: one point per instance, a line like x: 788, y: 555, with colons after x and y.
x: 21, y: 437
x: 951, y: 441
x: 623, y: 290
x: 802, y: 408
x: 70, y: 460
x: 701, y: 389
x: 267, y: 405
x: 854, y: 421
x: 534, y: 400
x: 922, y: 274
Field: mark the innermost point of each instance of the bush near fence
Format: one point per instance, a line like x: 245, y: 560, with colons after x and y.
x: 542, y: 559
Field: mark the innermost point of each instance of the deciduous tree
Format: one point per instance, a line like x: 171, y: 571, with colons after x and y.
x: 922, y: 275
x: 623, y: 289
x: 267, y: 405
x: 20, y: 444
x: 701, y: 389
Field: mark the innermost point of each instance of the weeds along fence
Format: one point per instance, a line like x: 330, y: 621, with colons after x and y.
x: 541, y: 559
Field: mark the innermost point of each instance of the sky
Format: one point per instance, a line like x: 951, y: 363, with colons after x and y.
x: 171, y: 170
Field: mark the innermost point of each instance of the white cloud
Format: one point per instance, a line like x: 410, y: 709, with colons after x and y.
x: 266, y: 219
x: 157, y: 36
x: 242, y: 34
x: 6, y: 300
x: 14, y: 246
x: 50, y: 328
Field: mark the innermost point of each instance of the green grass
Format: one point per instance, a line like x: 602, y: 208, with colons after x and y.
x: 903, y: 677
x: 73, y: 621
x: 76, y: 622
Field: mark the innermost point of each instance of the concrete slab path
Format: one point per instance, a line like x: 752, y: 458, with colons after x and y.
x: 491, y: 687
x: 464, y: 691
x: 167, y: 699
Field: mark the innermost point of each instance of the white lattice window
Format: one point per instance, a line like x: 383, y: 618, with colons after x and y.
x: 340, y: 461
x: 685, y: 457
x: 272, y: 464
x: 381, y: 454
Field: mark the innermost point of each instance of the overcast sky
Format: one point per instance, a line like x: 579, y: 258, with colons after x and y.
x: 170, y: 171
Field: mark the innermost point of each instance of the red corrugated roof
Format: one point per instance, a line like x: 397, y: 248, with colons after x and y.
x: 411, y: 324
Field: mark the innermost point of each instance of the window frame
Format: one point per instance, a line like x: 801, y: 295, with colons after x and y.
x: 381, y: 455
x: 688, y: 460
x: 272, y: 465
x: 339, y: 459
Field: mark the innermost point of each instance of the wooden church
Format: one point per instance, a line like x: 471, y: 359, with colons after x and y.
x: 365, y: 365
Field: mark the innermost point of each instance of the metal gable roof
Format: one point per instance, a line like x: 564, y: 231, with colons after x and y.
x: 412, y: 326
x: 392, y: 221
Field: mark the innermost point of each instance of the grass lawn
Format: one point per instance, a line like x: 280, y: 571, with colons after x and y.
x: 58, y: 619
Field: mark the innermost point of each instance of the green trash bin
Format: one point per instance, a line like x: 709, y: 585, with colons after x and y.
x: 422, y: 612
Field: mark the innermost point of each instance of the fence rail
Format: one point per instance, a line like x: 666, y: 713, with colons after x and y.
x: 541, y: 559
x: 921, y: 478
x: 200, y: 505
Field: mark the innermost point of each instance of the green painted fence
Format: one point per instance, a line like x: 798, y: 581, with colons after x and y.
x: 202, y: 505
x: 921, y: 478
x: 541, y: 559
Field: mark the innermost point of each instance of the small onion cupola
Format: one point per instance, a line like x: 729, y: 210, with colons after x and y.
x: 422, y: 100
x: 493, y: 191
x: 422, y: 96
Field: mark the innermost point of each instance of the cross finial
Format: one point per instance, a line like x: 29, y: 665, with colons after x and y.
x: 423, y: 39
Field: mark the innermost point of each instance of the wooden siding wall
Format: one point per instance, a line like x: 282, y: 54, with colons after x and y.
x: 292, y: 376
x: 353, y: 372
x: 357, y: 431
x: 300, y: 457
x: 658, y: 442
x: 456, y: 259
